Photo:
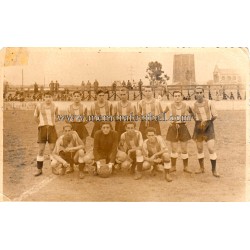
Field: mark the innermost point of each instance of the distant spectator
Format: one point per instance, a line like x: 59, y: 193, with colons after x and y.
x: 35, y: 88
x: 129, y: 85
x: 96, y: 86
x: 52, y: 87
x: 82, y: 86
x: 56, y: 87
x: 114, y: 86
x: 140, y: 83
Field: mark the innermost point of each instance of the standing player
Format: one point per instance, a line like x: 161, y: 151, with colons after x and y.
x: 205, y: 113
x: 131, y: 144
x: 69, y: 149
x: 147, y: 106
x: 78, y: 112
x: 101, y: 107
x: 177, y: 131
x: 45, y: 115
x: 155, y: 152
x: 123, y: 108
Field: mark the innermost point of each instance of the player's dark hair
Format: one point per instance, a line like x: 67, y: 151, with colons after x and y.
x: 150, y: 129
x: 177, y: 91
x: 67, y: 125
x: 76, y: 91
x: 105, y: 123
x: 130, y: 122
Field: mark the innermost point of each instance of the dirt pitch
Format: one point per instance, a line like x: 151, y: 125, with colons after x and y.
x: 20, y: 150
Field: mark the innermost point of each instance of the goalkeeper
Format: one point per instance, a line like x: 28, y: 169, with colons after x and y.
x: 204, y: 115
x: 105, y: 146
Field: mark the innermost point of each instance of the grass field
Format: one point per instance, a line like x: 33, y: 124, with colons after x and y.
x: 20, y: 150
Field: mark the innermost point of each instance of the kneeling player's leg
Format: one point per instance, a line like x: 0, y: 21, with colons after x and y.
x: 51, y: 148
x: 167, y: 166
x: 212, y: 156
x: 139, y: 159
x: 200, y: 156
x: 79, y: 159
x: 184, y: 156
x: 90, y: 163
x: 174, y: 155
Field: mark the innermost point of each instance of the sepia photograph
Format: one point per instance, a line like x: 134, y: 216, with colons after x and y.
x: 124, y: 124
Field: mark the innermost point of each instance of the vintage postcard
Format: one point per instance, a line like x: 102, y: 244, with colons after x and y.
x: 125, y: 124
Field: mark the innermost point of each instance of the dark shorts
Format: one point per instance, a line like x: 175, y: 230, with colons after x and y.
x: 68, y: 156
x: 120, y: 128
x: 144, y: 125
x: 205, y: 134
x: 104, y: 156
x: 132, y: 156
x: 181, y: 134
x: 47, y: 134
x: 80, y: 128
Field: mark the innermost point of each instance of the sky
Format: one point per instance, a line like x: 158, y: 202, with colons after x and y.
x: 74, y: 65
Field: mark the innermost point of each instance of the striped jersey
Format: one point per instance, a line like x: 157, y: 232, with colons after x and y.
x: 121, y: 109
x: 204, y: 111
x: 46, y: 114
x: 77, y: 111
x: 131, y: 141
x: 105, y: 109
x: 76, y: 141
x: 153, y: 107
x: 150, y: 149
x: 178, y: 114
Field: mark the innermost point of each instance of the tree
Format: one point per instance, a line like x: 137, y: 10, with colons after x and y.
x: 155, y: 74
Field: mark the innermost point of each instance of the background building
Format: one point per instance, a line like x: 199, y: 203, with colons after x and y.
x: 184, y: 69
x: 226, y: 76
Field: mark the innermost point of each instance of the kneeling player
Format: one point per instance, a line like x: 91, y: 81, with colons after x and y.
x: 155, y: 152
x: 105, y: 146
x: 69, y: 149
x: 131, y: 144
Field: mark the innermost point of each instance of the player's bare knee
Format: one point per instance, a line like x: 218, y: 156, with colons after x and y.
x: 81, y: 153
x: 211, y: 150
x: 165, y: 157
x: 88, y: 159
x: 138, y: 152
x: 41, y: 152
x: 121, y: 156
x: 126, y: 164
x: 54, y: 163
x: 146, y: 165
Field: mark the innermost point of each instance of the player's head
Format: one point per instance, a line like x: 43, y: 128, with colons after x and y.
x: 100, y: 95
x: 199, y: 93
x: 130, y: 127
x: 105, y: 127
x: 67, y: 128
x: 124, y: 94
x: 177, y: 96
x: 77, y: 96
x: 48, y: 97
x: 151, y: 133
x: 148, y: 92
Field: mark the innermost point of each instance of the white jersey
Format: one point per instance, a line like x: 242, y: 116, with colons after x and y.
x: 46, y: 114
